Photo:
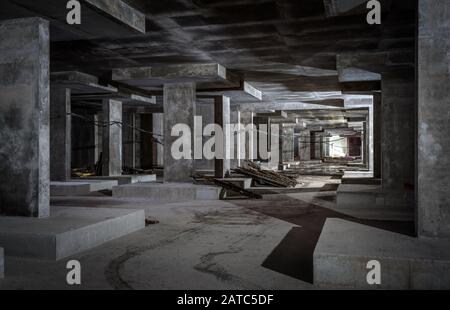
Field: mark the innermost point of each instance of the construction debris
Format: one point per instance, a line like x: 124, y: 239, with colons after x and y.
x: 266, y: 177
x: 150, y: 221
x: 226, y: 186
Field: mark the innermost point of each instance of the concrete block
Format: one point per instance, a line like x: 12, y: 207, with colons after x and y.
x: 357, y: 195
x: 80, y: 187
x: 167, y: 192
x: 2, y: 263
x: 406, y: 262
x: 125, y: 179
x: 67, y: 231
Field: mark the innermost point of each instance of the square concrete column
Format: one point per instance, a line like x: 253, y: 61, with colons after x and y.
x: 305, y: 145
x: 249, y: 135
x: 376, y: 134
x: 158, y: 131
x: 112, y: 138
x: 128, y: 158
x: 146, y: 143
x: 206, y: 111
x: 60, y: 134
x: 398, y: 106
x: 433, y: 145
x: 179, y: 108
x: 235, y: 119
x: 222, y: 118
x: 24, y: 118
x: 287, y: 143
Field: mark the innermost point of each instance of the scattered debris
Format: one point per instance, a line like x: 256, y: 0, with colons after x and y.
x: 227, y: 186
x: 266, y: 177
x: 150, y: 221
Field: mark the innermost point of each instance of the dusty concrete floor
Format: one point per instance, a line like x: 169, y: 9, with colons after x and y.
x: 234, y: 244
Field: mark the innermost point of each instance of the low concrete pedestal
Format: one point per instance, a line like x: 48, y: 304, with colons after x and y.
x: 167, y: 192
x: 80, y: 187
x: 345, y: 248
x: 371, y: 196
x: 125, y: 179
x: 2, y: 264
x: 67, y: 231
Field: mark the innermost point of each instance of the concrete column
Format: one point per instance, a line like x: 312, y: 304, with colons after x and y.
x: 287, y: 145
x: 60, y: 134
x: 433, y: 145
x: 146, y: 146
x: 235, y: 119
x: 128, y: 141
x: 112, y: 138
x: 24, y: 118
x: 206, y: 111
x: 97, y: 136
x: 158, y: 130
x: 83, y: 139
x: 305, y: 145
x: 398, y: 131
x: 222, y: 118
x: 179, y: 108
x: 137, y: 140
x: 250, y: 136
x: 376, y: 135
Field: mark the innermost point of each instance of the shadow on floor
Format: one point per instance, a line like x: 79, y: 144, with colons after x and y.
x: 293, y: 256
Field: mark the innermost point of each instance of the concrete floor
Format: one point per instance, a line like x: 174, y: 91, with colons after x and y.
x: 234, y: 244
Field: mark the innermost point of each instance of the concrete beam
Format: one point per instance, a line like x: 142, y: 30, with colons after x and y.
x: 120, y: 11
x: 244, y: 93
x: 207, y: 76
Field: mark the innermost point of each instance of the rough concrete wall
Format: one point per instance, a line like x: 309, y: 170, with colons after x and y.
x: 60, y: 134
x: 83, y: 139
x: 433, y: 165
x: 179, y: 107
x: 24, y: 118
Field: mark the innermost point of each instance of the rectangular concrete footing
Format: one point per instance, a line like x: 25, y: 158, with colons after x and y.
x: 125, y: 179
x: 167, y: 192
x: 345, y: 248
x: 68, y: 231
x: 2, y: 264
x: 80, y: 187
x: 371, y: 196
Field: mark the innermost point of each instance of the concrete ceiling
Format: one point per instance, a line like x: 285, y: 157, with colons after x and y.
x: 285, y: 48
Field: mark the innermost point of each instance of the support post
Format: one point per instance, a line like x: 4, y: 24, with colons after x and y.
x: 24, y: 118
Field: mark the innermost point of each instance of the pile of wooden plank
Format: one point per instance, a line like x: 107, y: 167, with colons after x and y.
x: 266, y: 177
